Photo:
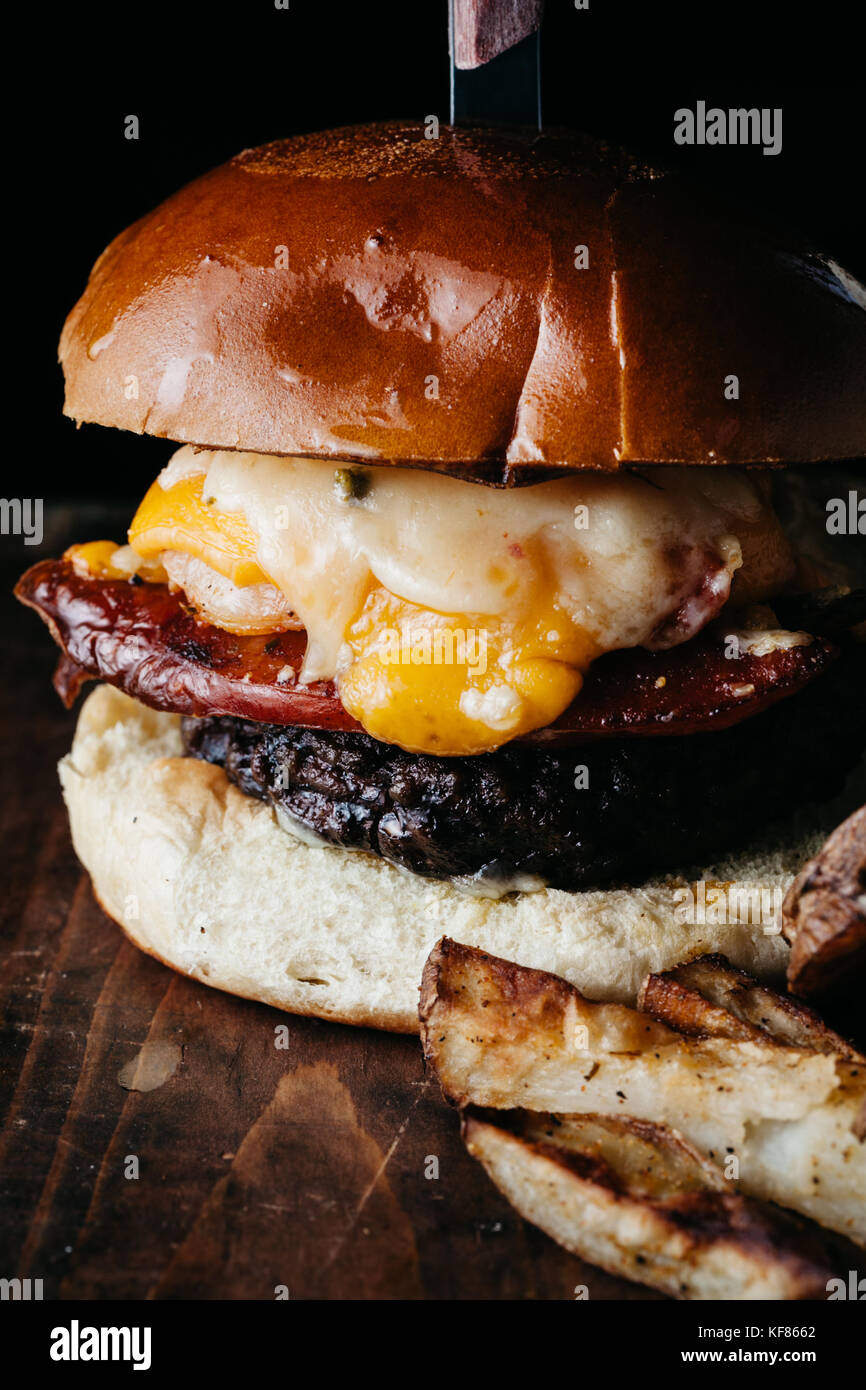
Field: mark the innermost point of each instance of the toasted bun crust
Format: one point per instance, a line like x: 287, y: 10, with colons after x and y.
x: 369, y: 293
x: 202, y: 877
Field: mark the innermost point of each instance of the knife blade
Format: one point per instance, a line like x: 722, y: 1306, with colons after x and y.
x: 495, y: 53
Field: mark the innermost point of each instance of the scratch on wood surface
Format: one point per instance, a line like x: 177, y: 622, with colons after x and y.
x: 424, y: 1085
x: 308, y: 1159
x: 65, y: 1148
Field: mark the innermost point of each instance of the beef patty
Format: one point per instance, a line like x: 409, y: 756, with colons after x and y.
x: 609, y: 809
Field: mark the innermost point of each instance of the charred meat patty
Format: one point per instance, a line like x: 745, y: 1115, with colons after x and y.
x: 608, y: 809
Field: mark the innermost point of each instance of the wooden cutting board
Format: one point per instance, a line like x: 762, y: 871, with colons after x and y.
x: 157, y: 1143
x: 330, y: 1168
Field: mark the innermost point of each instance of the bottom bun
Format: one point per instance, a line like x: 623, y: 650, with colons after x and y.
x: 203, y: 877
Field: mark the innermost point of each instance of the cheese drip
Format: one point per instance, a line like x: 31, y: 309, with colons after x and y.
x: 454, y: 616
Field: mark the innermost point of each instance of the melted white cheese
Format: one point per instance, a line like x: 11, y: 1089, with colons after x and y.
x: 620, y: 554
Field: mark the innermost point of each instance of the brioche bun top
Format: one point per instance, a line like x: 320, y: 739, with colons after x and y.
x: 372, y: 294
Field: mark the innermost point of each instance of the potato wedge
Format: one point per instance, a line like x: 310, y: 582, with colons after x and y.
x: 638, y: 1201
x: 709, y: 997
x: 824, y: 914
x: 779, y: 1118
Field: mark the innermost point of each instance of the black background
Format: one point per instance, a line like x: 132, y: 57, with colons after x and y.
x: 208, y: 80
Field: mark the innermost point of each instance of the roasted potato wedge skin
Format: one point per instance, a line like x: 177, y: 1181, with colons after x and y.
x: 638, y: 1201
x: 824, y: 915
x: 504, y: 1037
x: 708, y: 997
x: 532, y: 1009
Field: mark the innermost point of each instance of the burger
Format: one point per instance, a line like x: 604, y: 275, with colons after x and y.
x: 482, y: 591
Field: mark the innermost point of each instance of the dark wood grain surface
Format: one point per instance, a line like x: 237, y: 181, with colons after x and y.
x: 257, y: 1166
x: 157, y: 1143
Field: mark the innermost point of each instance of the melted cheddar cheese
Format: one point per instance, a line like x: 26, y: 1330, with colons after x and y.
x: 452, y: 616
x: 181, y: 518
x: 454, y: 689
